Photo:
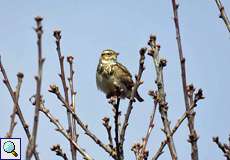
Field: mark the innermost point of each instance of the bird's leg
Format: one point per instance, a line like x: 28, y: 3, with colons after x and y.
x: 113, y: 99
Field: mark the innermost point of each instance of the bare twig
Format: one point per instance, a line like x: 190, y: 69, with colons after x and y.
x: 57, y: 148
x: 139, y: 149
x: 19, y: 112
x: 57, y: 35
x: 151, y: 121
x: 224, y: 147
x: 108, y: 129
x: 163, y: 105
x: 73, y: 95
x: 32, y: 143
x: 61, y: 129
x: 54, y: 89
x: 116, y: 123
x: 223, y: 15
x: 198, y: 96
x: 137, y: 83
x: 193, y: 138
x: 13, y: 115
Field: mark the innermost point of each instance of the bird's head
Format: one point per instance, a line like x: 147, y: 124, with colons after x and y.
x: 109, y: 56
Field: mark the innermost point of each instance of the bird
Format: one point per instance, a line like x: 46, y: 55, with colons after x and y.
x: 113, y: 78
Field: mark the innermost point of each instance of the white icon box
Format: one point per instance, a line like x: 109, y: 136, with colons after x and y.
x: 10, y: 148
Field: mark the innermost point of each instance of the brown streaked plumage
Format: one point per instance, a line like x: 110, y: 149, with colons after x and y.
x: 113, y: 78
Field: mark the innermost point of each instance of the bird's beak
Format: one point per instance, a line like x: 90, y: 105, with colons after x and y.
x: 117, y: 53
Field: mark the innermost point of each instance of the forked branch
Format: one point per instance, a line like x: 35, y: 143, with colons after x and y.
x: 163, y: 105
x: 19, y: 112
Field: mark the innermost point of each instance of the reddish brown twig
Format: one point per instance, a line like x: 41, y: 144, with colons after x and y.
x: 193, y: 138
x: 19, y: 112
x: 151, y: 121
x: 224, y: 147
x: 137, y: 83
x: 163, y: 105
x: 116, y: 111
x: 54, y: 89
x: 105, y: 122
x: 139, y: 149
x: 59, y: 152
x: 198, y: 96
x: 61, y: 129
x: 32, y: 143
x: 13, y: 115
x: 70, y: 60
x: 57, y: 35
x: 223, y: 15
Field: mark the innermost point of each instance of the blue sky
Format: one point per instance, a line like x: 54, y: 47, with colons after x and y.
x: 88, y: 27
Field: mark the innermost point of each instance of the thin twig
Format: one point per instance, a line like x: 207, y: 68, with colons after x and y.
x: 61, y: 129
x: 57, y: 35
x: 223, y: 15
x: 224, y: 147
x: 13, y: 115
x: 54, y: 89
x: 198, y: 96
x: 105, y: 122
x: 19, y: 112
x: 73, y: 95
x: 163, y: 105
x: 59, y: 152
x: 150, y: 127
x: 139, y: 149
x: 137, y: 83
x: 32, y: 143
x: 116, y: 122
x: 193, y: 137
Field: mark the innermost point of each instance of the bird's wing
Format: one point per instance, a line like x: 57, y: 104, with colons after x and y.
x: 123, y: 74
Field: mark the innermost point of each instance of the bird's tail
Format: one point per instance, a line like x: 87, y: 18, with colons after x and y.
x: 138, y: 97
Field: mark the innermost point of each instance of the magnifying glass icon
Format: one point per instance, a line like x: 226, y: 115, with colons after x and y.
x: 9, y: 147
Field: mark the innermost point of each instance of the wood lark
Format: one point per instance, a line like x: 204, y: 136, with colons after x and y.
x: 113, y: 78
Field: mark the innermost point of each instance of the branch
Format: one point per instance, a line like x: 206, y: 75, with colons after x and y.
x: 193, y: 138
x: 55, y: 90
x: 151, y: 121
x: 57, y: 35
x: 32, y: 143
x: 198, y: 96
x: 137, y: 83
x: 139, y: 149
x: 116, y: 123
x: 57, y: 148
x: 19, y: 112
x: 108, y: 129
x: 73, y: 94
x: 163, y: 105
x: 13, y: 115
x: 224, y: 147
x: 61, y: 129
x: 223, y: 15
